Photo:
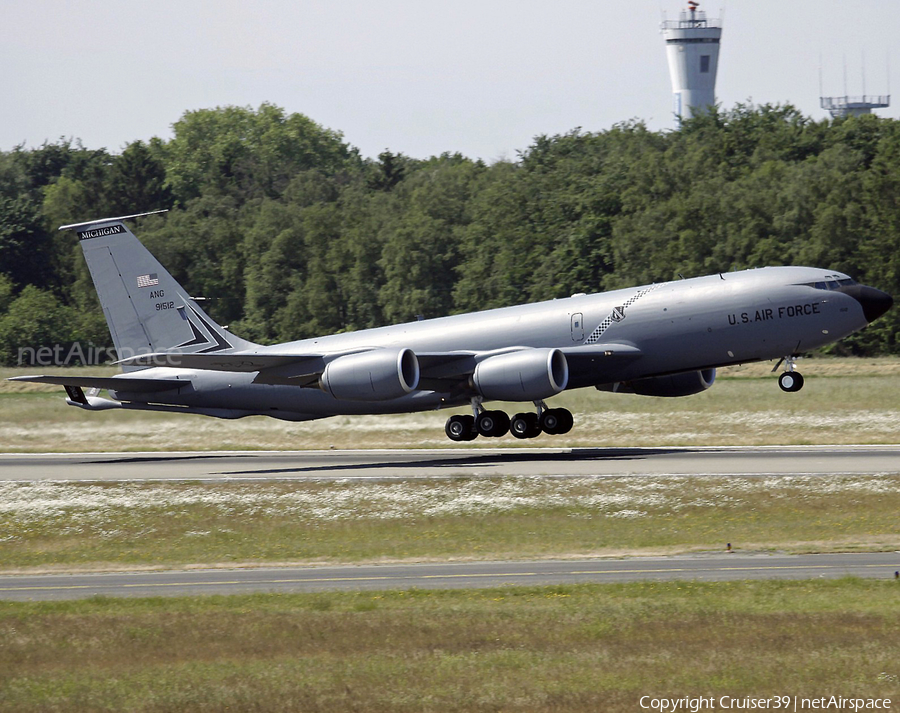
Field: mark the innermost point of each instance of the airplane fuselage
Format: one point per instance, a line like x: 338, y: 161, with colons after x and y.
x: 680, y: 326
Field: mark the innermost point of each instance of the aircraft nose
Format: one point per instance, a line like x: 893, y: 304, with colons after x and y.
x: 874, y: 302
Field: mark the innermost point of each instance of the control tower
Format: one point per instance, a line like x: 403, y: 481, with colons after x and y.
x: 692, y: 48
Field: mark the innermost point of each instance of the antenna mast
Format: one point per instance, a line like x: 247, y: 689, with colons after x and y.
x: 847, y: 105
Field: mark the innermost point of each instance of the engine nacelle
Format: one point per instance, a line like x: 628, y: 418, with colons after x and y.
x: 377, y: 375
x: 686, y: 384
x: 525, y: 375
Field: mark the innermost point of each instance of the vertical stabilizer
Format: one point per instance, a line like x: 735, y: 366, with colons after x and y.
x: 146, y: 309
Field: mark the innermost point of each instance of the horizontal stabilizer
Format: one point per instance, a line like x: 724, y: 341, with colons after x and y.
x: 131, y: 385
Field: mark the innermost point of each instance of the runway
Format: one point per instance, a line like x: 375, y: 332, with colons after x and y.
x: 453, y: 462
x: 720, y: 567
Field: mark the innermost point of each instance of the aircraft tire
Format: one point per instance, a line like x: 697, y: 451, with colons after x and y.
x: 791, y: 381
x: 492, y: 424
x: 557, y: 421
x: 460, y: 428
x: 549, y: 421
x: 525, y: 425
x: 518, y: 426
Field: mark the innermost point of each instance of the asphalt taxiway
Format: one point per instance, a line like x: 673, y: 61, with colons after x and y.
x: 719, y: 567
x: 452, y: 462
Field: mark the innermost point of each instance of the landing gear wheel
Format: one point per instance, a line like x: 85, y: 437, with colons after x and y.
x: 460, y: 428
x: 518, y: 426
x: 566, y: 421
x: 557, y: 421
x: 492, y: 424
x: 791, y: 381
x: 525, y: 425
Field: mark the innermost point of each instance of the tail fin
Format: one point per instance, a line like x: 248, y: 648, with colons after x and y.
x: 146, y: 309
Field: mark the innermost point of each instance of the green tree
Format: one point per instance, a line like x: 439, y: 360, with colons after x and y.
x: 25, y: 247
x: 275, y: 268
x: 389, y: 171
x: 421, y: 248
x: 246, y: 153
x: 6, y: 293
x: 136, y: 181
x: 34, y: 320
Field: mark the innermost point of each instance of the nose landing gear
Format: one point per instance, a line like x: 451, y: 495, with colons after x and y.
x: 789, y: 380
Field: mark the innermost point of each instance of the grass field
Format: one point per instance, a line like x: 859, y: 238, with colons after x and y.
x: 573, y: 648
x: 844, y: 401
x: 49, y: 525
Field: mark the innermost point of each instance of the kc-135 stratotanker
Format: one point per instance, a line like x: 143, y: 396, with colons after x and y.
x: 664, y: 339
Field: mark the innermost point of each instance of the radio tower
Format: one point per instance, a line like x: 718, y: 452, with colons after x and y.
x: 692, y: 48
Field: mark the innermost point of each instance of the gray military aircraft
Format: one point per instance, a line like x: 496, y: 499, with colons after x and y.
x: 664, y: 339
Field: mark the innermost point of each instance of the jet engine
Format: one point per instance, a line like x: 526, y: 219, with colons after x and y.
x: 376, y: 375
x: 686, y: 384
x: 525, y: 375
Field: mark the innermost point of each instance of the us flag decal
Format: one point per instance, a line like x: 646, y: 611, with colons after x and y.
x: 148, y: 280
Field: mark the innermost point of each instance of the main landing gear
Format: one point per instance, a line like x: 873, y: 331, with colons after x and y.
x: 494, y: 424
x: 789, y: 380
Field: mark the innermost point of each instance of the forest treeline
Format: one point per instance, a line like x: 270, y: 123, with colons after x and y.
x: 289, y: 232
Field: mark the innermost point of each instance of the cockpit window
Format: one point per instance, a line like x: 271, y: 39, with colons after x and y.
x: 831, y: 282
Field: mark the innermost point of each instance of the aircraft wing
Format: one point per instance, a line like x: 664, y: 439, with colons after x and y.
x: 593, y: 363
x: 296, y: 369
x: 595, y: 357
x: 595, y: 351
x: 218, y: 362
x: 448, y: 371
x: 286, y: 369
x: 444, y: 371
x: 439, y: 371
x: 116, y: 383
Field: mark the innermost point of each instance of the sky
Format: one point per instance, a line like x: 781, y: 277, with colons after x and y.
x: 417, y: 77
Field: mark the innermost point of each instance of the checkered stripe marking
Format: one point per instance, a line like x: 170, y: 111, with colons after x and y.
x: 618, y: 313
